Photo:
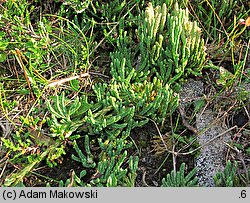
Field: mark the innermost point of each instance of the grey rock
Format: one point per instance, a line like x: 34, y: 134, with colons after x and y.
x: 212, y: 153
x: 212, y: 156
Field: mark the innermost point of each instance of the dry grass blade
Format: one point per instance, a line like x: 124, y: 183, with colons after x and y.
x: 60, y: 82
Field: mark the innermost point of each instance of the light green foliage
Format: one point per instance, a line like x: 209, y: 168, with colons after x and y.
x: 3, y: 45
x: 16, y: 179
x: 34, y: 45
x: 150, y: 99
x: 179, y: 179
x: 66, y: 115
x: 26, y: 154
x: 51, y: 153
x: 228, y: 177
x: 28, y: 46
x: 106, y: 115
x: 170, y: 44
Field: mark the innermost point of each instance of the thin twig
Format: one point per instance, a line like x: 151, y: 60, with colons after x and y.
x: 246, y: 112
x: 235, y: 136
x: 206, y: 143
x: 173, y: 145
x: 59, y: 82
x: 198, y: 148
x: 244, y: 165
x: 19, y: 59
x: 184, y: 121
x: 3, y: 129
x: 144, y: 178
x: 4, y: 167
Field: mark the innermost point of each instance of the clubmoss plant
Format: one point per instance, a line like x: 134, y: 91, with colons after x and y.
x: 228, y: 177
x: 145, y: 71
x: 170, y: 44
x: 114, y: 167
x: 179, y: 179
